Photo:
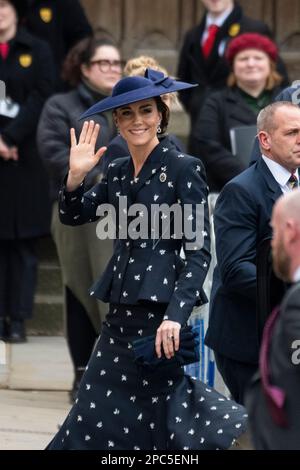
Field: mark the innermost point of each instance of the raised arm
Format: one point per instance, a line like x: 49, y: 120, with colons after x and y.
x: 75, y: 207
x: 82, y: 155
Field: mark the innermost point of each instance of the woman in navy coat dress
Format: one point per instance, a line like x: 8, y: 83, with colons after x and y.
x: 122, y: 405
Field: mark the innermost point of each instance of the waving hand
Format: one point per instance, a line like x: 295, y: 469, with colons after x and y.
x: 82, y: 155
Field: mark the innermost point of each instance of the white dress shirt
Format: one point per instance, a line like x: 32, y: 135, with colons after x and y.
x: 281, y: 174
x: 296, y: 277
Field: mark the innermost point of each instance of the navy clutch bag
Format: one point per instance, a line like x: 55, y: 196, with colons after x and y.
x: 188, y: 353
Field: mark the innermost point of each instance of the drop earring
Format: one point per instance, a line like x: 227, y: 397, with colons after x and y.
x: 159, y: 129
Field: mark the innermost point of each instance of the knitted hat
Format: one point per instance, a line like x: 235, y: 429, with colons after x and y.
x: 251, y: 41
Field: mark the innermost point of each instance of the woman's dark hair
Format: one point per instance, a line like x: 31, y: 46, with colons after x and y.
x: 80, y: 54
x: 165, y: 112
x: 163, y: 109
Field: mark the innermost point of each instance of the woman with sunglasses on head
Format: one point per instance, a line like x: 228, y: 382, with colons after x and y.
x: 128, y: 398
x: 92, y: 67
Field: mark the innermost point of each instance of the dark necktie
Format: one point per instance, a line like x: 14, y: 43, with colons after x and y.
x: 275, y: 396
x: 293, y: 180
x: 4, y: 50
x: 210, y: 40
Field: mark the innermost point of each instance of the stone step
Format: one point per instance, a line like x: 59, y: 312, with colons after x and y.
x: 46, y: 250
x: 49, y: 279
x: 48, y: 318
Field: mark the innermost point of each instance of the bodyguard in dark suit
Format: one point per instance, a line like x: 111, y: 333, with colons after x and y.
x: 242, y: 217
x: 61, y: 23
x: 273, y: 397
x: 25, y: 67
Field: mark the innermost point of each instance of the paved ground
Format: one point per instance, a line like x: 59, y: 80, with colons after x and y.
x: 29, y: 419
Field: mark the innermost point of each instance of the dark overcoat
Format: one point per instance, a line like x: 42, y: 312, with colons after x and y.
x: 283, y: 364
x: 210, y: 140
x: 25, y: 210
x: 61, y: 24
x: 242, y: 220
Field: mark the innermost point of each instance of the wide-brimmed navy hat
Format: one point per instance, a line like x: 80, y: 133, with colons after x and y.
x: 132, y: 89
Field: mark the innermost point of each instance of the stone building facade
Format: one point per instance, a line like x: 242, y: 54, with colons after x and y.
x: 157, y: 27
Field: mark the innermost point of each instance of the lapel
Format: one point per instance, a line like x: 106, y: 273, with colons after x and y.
x: 274, y: 190
x: 125, y: 177
x: 275, y: 396
x: 152, y: 165
x: 195, y: 51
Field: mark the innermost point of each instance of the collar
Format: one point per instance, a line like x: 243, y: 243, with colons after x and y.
x: 88, y: 95
x: 22, y: 37
x: 151, y: 166
x: 219, y: 20
x: 280, y: 173
x: 296, y: 276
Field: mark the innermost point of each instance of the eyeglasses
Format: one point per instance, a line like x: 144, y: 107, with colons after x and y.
x: 105, y: 65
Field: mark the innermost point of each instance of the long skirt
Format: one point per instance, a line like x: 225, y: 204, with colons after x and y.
x: 122, y: 406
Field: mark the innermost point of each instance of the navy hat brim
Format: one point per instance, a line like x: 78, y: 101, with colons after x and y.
x: 141, y: 88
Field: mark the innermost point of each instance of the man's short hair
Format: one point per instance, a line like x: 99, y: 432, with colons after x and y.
x: 265, y: 119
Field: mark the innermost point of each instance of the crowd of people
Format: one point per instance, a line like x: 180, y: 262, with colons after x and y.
x: 81, y: 130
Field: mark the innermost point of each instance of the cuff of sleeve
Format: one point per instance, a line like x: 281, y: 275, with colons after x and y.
x: 180, y: 314
x: 72, y: 197
x: 8, y: 140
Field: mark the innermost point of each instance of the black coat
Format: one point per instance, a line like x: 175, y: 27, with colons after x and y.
x: 24, y: 185
x: 212, y: 74
x: 242, y: 220
x: 60, y: 113
x: 210, y: 138
x: 61, y: 23
x: 283, y: 366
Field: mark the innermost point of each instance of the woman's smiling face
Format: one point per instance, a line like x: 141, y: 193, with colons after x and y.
x: 138, y: 122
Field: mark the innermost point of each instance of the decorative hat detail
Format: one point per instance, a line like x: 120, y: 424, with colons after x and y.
x: 132, y: 89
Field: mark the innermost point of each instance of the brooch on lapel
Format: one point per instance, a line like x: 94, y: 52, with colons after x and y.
x: 162, y: 177
x: 25, y: 60
x: 234, y: 29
